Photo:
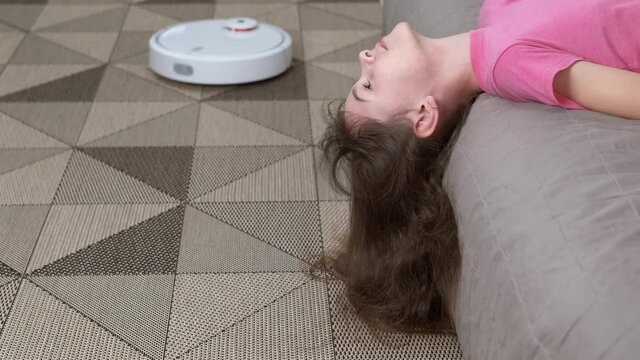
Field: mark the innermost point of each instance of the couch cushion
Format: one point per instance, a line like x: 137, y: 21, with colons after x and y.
x: 547, y: 202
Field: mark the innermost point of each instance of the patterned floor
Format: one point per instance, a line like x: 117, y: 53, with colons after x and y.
x: 143, y: 218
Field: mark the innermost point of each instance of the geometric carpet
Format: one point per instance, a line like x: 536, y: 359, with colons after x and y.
x: 142, y: 218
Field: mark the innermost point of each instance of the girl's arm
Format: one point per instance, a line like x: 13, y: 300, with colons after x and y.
x: 601, y: 88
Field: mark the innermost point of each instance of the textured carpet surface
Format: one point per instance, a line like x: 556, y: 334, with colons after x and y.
x: 144, y: 218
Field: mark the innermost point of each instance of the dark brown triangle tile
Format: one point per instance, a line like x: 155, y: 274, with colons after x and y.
x: 35, y: 50
x: 108, y: 21
x: 79, y: 87
x: 21, y: 14
x: 290, y: 85
x: 62, y: 120
x: 167, y: 169
x: 150, y: 247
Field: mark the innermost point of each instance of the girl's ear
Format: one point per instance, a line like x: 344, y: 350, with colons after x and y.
x: 427, y: 120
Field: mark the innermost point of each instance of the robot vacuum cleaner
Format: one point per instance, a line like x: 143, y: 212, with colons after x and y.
x: 220, y: 52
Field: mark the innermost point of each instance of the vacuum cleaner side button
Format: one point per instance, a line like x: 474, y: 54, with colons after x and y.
x: 182, y: 69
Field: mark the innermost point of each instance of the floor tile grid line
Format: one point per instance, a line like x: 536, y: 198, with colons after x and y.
x: 175, y: 272
x: 315, y: 179
x: 89, y: 318
x: 25, y: 32
x: 35, y: 244
x: 134, y: 125
x: 245, y: 175
x: 244, y: 317
x: 310, y: 4
x: 257, y: 238
x: 210, y: 100
x: 37, y: 33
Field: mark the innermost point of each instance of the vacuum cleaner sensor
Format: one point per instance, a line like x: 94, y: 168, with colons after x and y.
x: 220, y: 52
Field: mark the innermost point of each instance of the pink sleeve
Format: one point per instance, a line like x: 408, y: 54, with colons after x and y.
x: 525, y: 73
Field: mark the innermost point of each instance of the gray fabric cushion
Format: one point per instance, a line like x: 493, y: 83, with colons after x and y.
x: 547, y: 202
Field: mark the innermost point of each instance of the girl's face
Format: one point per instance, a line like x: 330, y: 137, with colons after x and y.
x: 393, y: 80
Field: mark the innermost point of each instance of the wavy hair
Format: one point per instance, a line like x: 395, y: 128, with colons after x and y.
x: 399, y: 259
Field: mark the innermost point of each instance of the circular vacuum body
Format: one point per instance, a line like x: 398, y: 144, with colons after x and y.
x: 220, y: 52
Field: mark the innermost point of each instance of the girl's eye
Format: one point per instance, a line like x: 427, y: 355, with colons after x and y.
x: 367, y: 85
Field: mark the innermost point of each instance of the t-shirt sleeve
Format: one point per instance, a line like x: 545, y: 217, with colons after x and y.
x: 525, y: 73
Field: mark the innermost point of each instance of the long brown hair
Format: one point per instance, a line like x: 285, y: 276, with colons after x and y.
x: 400, y: 259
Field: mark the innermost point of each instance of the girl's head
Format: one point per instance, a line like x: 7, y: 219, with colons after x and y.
x: 420, y: 79
x: 399, y: 259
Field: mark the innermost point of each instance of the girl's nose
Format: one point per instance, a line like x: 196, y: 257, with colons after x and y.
x: 365, y: 55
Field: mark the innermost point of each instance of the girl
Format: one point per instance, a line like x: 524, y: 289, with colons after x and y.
x: 400, y: 258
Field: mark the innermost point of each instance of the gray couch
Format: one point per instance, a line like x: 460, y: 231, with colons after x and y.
x: 547, y: 202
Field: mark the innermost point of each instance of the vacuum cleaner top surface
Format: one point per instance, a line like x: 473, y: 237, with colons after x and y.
x: 222, y: 51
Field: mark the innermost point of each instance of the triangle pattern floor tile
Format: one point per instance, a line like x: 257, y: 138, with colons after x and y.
x: 369, y: 12
x: 297, y: 324
x: 263, y: 220
x: 220, y: 128
x: 22, y: 16
x: 290, y: 85
x: 12, y: 159
x: 318, y: 115
x: 36, y: 50
x: 325, y: 190
x: 214, y: 167
x: 19, y: 230
x: 184, y: 11
x: 312, y: 18
x: 108, y: 118
x: 131, y: 43
x: 145, y: 163
x: 9, y: 42
x: 135, y: 308
x: 16, y: 134
x: 334, y: 220
x: 54, y: 14
x: 96, y: 45
x: 206, y: 304
x: 61, y: 120
x: 41, y: 324
x: 210, y: 246
x: 285, y: 17
x: 7, y: 271
x: 150, y: 247
x: 320, y: 42
x: 106, y: 21
x: 177, y: 128
x: 33, y: 184
x: 18, y: 79
x: 140, y: 19
x: 70, y: 228
x: 351, y: 52
x: 289, y: 179
x: 8, y: 292
x: 89, y: 181
x: 251, y: 10
x: 143, y: 71
x: 120, y: 85
x: 287, y: 117
x: 348, y: 69
x: 323, y: 84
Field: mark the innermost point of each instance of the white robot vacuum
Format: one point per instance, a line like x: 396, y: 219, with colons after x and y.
x: 220, y: 52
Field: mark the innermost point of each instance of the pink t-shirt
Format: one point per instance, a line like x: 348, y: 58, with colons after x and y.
x: 520, y: 45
